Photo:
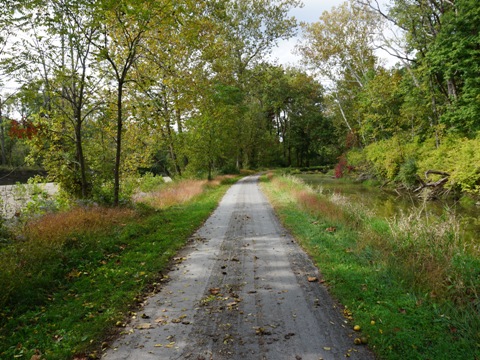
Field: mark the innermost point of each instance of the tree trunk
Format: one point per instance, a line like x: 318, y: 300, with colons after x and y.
x: 171, y: 144
x: 81, y: 158
x: 2, y: 135
x: 343, y: 114
x: 116, y: 189
x: 210, y: 165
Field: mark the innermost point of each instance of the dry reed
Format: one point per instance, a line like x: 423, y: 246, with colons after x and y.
x: 175, y: 193
x: 431, y: 254
x: 53, y: 228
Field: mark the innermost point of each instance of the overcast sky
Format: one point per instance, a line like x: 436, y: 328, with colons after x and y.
x: 309, y: 13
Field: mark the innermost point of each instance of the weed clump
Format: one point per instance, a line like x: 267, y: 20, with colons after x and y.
x: 433, y: 255
x: 37, y: 257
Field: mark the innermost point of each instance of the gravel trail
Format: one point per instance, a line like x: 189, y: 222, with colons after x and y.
x: 240, y: 290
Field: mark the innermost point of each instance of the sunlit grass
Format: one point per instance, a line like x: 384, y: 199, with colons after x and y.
x: 415, y: 275
x: 180, y: 192
x: 174, y: 193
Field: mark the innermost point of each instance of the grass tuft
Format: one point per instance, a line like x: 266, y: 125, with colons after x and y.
x: 53, y: 229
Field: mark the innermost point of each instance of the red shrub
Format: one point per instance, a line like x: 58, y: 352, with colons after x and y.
x: 22, y: 130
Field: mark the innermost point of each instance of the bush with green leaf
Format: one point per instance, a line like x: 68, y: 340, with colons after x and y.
x: 407, y: 174
x: 457, y: 156
x: 386, y: 157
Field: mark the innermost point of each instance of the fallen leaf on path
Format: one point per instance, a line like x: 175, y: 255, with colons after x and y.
x: 214, y: 291
x: 144, y: 326
x: 262, y: 331
x: 178, y: 260
x: 232, y: 304
x: 312, y: 279
x: 326, y: 348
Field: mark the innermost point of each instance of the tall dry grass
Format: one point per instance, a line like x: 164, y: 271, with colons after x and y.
x: 37, y: 254
x: 430, y: 254
x: 309, y: 199
x: 434, y: 255
x: 175, y: 193
x: 52, y: 229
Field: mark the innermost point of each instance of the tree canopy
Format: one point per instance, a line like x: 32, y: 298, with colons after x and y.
x: 110, y: 89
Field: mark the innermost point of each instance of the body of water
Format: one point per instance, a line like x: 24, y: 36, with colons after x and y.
x: 387, y: 203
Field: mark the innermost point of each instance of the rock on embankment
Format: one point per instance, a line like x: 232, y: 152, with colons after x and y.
x: 15, y: 197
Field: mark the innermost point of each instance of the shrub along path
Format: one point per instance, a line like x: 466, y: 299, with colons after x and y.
x: 242, y: 289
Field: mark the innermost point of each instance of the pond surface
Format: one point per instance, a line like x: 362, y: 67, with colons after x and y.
x: 387, y: 203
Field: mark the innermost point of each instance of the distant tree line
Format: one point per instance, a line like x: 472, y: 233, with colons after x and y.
x: 420, y: 120
x: 178, y: 87
x: 108, y: 88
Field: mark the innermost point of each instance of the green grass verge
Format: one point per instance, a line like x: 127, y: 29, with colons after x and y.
x: 80, y: 295
x: 399, y: 320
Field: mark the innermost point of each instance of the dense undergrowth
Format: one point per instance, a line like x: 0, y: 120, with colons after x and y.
x: 411, y: 283
x: 405, y: 161
x: 68, y: 278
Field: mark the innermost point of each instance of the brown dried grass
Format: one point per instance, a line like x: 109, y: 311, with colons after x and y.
x: 319, y: 206
x: 54, y: 228
x: 175, y: 193
x: 219, y: 180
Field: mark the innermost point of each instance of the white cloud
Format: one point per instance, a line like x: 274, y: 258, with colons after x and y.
x: 310, y: 13
x: 313, y: 9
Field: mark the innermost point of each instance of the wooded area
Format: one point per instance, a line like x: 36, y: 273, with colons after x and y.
x: 421, y: 116
x: 109, y: 89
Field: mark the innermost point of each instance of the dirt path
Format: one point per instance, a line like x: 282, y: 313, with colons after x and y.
x: 240, y: 291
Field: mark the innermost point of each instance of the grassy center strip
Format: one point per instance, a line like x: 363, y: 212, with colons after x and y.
x: 412, y: 291
x: 72, y: 280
